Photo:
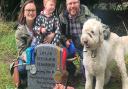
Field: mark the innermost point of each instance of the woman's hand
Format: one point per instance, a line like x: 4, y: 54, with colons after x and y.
x: 24, y: 56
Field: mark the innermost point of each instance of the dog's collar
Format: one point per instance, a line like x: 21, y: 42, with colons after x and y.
x: 84, y: 49
x: 93, y: 52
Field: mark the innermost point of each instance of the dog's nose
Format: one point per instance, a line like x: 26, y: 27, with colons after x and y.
x: 86, y: 42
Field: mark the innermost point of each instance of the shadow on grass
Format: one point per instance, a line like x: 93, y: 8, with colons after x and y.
x: 113, y: 84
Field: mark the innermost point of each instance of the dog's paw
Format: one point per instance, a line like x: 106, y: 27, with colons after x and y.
x: 125, y: 84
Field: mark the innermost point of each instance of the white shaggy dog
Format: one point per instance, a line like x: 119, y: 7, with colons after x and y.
x: 101, y: 47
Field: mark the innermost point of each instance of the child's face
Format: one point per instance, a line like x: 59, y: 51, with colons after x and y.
x: 50, y: 6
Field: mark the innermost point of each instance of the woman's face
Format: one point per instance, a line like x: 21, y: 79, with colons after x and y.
x: 30, y: 12
x: 50, y: 6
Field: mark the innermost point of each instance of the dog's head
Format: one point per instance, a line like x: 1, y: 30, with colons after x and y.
x: 94, y: 33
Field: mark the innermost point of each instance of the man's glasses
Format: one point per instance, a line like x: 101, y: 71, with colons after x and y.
x: 74, y: 3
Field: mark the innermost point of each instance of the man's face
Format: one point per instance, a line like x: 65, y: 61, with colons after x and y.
x: 73, y: 7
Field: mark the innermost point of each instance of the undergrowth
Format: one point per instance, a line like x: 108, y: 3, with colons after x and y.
x: 7, y: 53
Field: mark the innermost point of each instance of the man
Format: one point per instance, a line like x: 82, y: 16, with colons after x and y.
x: 72, y: 20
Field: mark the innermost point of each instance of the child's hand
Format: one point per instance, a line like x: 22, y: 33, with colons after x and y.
x: 49, y: 38
x: 42, y: 30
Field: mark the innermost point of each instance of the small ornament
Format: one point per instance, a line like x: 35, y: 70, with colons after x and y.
x: 32, y: 69
x: 58, y: 76
x: 27, y: 67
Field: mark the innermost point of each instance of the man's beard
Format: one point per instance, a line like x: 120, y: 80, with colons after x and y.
x: 74, y: 11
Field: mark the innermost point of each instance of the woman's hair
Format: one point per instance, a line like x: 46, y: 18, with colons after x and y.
x: 21, y: 18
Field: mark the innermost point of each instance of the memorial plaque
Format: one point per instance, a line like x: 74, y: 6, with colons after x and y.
x: 46, y: 65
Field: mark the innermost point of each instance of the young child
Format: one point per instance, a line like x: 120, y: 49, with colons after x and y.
x: 47, y: 25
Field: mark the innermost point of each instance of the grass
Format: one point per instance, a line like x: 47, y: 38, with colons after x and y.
x: 8, y: 53
x: 5, y: 78
x: 115, y: 81
x: 7, y: 39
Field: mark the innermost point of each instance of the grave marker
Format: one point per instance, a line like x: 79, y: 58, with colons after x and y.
x: 46, y: 65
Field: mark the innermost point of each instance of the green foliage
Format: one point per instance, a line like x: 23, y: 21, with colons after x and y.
x: 7, y: 54
x: 7, y: 41
x: 5, y: 78
x: 7, y: 46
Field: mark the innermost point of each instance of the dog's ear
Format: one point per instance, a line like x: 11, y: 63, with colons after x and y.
x: 106, y: 32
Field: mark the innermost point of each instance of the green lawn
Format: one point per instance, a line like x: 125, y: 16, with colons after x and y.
x: 8, y: 53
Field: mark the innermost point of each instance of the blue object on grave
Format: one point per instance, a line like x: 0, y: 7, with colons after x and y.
x: 33, y: 56
x: 30, y: 55
x: 72, y: 49
x: 21, y: 66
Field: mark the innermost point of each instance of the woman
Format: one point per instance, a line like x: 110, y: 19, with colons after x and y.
x: 24, y: 33
x: 24, y: 38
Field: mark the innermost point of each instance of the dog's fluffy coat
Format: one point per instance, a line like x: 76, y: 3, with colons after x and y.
x: 102, y: 46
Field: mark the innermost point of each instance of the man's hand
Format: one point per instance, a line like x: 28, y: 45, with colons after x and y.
x: 68, y: 43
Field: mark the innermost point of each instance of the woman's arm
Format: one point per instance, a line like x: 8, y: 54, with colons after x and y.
x: 23, y: 40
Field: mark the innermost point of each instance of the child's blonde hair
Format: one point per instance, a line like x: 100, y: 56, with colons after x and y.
x: 45, y: 1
